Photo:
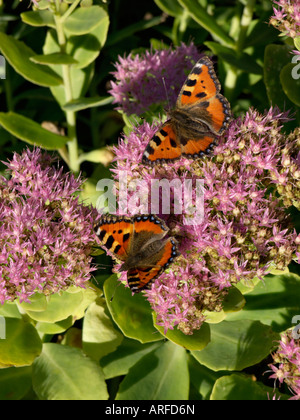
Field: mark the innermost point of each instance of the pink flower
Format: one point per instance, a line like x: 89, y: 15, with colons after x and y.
x: 286, y: 363
x: 244, y: 229
x: 287, y: 17
x: 151, y: 79
x: 45, y: 233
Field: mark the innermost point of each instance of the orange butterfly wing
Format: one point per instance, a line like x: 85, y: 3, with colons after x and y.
x: 115, y: 234
x: 163, y: 146
x: 142, y: 277
x: 201, y: 100
x: 201, y: 89
x: 201, y: 84
x: 198, y: 147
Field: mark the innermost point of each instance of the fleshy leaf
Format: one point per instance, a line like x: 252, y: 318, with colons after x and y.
x: 84, y: 19
x: 160, y: 375
x: 18, y: 55
x: 241, y: 387
x: 99, y: 337
x: 55, y: 58
x: 290, y: 80
x: 80, y: 77
x: 21, y: 344
x: 197, y: 341
x: 65, y: 373
x: 236, y: 345
x: 38, y: 18
x: 171, y: 7
x: 127, y: 355
x: 234, y: 301
x: 276, y: 57
x: 132, y: 314
x: 14, y: 383
x: 274, y: 302
x: 31, y: 132
x: 59, y: 307
x: 55, y: 327
x: 84, y: 103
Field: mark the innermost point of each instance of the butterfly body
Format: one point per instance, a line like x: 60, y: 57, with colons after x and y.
x: 201, y: 115
x: 140, y: 243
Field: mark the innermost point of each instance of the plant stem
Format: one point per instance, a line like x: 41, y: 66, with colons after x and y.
x: 245, y: 22
x: 230, y: 83
x: 9, y: 98
x: 70, y: 10
x: 70, y: 115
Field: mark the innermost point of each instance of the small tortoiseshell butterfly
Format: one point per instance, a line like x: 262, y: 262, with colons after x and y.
x: 201, y: 115
x: 140, y: 243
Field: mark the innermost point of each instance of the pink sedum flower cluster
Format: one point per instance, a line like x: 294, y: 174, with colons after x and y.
x: 286, y: 17
x: 148, y: 81
x: 286, y: 363
x: 249, y: 182
x: 45, y: 233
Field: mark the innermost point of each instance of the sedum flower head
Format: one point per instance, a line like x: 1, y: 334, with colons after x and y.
x: 249, y: 181
x: 286, y: 17
x: 150, y: 80
x: 45, y: 233
x: 286, y: 363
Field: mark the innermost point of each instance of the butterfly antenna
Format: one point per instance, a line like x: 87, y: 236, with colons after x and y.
x: 167, y: 96
x: 113, y: 295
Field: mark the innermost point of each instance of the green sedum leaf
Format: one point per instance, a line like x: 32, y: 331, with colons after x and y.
x: 274, y: 302
x: 202, y: 378
x: 55, y: 58
x: 132, y: 314
x: 275, y: 58
x: 171, y: 7
x: 59, y: 307
x: 21, y: 344
x: 234, y: 301
x: 159, y: 375
x: 38, y: 18
x: 10, y: 310
x: 290, y: 80
x: 236, y: 345
x: 127, y: 355
x: 84, y: 19
x: 18, y: 55
x: 99, y: 337
x: 80, y: 77
x: 31, y: 132
x: 54, y: 327
x: 38, y: 303
x: 241, y: 387
x: 14, y: 383
x: 297, y: 42
x: 65, y: 373
x: 85, y: 103
x: 197, y: 341
x: 86, y: 48
x: 89, y: 295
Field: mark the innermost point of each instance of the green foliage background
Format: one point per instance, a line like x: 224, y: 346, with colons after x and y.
x: 80, y: 344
